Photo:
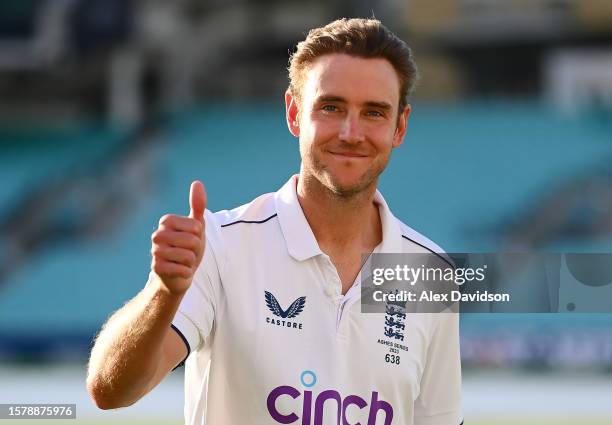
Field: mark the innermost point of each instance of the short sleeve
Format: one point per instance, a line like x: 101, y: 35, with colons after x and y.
x: 439, y: 400
x: 196, y: 314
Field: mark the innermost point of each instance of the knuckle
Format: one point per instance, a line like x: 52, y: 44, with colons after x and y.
x: 165, y: 270
x: 189, y: 241
x: 199, y: 252
x: 157, y: 236
x: 185, y: 272
x: 191, y: 258
x: 196, y: 241
x: 185, y: 258
x: 156, y: 250
x: 165, y: 219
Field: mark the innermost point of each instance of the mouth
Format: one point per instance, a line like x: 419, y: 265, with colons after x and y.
x: 345, y: 155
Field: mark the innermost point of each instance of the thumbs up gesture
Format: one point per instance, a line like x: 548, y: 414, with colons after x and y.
x: 178, y: 244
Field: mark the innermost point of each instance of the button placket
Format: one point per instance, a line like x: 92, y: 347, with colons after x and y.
x: 332, y: 284
x: 333, y: 289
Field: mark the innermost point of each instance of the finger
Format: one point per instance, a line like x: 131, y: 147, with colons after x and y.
x: 197, y: 201
x: 182, y: 256
x: 169, y: 269
x: 177, y: 239
x: 180, y: 224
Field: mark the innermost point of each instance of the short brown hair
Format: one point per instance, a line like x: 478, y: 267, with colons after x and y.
x: 366, y: 38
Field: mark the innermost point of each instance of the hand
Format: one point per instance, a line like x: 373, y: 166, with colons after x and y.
x: 178, y: 244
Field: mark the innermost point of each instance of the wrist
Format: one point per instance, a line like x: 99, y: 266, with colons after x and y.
x: 160, y: 290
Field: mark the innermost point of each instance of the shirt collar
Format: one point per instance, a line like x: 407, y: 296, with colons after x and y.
x: 301, y: 242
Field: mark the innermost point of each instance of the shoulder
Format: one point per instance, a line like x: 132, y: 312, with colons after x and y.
x: 415, y: 242
x: 258, y: 211
x: 222, y: 223
x: 411, y: 237
x: 231, y: 231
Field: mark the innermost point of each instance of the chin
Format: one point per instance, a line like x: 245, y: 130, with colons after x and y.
x: 348, y: 187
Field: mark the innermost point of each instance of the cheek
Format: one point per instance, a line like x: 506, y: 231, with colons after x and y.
x: 383, y: 137
x: 322, y: 130
x: 304, y: 147
x: 308, y: 148
x: 321, y: 124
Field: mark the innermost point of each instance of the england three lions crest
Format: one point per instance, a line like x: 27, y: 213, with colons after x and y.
x: 395, y: 314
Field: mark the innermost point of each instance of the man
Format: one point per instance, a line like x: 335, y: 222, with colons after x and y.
x: 265, y: 306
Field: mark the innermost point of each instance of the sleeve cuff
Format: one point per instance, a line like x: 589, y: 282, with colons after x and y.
x: 188, y: 332
x: 182, y: 363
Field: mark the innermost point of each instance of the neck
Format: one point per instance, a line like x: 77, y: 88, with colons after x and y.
x: 339, y: 222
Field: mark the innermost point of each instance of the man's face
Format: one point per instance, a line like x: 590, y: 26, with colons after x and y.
x: 348, y: 121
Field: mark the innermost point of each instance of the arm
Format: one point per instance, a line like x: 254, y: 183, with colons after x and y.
x: 137, y: 347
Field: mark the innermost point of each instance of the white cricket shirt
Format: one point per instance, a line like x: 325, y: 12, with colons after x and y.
x: 273, y: 341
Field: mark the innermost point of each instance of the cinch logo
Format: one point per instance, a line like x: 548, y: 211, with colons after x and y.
x: 309, y: 379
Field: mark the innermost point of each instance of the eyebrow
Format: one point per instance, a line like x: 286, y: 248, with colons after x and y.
x: 372, y: 104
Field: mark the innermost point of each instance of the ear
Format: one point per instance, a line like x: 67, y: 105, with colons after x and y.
x: 292, y: 114
x: 402, y: 125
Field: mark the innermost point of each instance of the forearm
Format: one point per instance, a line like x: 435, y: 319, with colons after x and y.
x: 128, y: 351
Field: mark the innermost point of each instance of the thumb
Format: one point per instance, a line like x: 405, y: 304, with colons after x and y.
x: 197, y: 200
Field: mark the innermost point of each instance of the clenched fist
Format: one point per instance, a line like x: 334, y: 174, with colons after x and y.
x: 178, y: 244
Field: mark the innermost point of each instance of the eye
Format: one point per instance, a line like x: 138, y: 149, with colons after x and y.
x: 329, y: 108
x: 374, y: 113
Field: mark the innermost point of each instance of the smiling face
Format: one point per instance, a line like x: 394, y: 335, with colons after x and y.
x: 347, y: 121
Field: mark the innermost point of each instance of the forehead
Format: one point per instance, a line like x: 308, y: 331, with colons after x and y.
x: 352, y: 78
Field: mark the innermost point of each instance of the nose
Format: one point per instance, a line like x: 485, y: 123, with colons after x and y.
x: 351, y: 130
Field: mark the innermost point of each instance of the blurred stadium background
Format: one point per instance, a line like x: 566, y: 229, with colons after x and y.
x: 111, y: 107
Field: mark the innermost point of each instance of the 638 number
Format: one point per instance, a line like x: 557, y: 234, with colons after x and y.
x: 392, y: 358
